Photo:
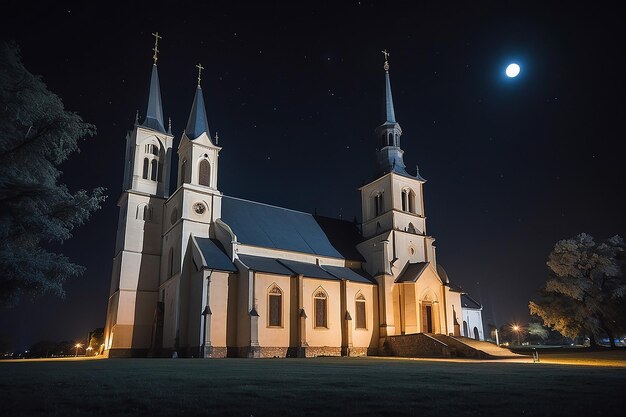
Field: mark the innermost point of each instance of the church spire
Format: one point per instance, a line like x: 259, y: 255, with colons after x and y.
x: 197, y: 123
x: 389, y: 155
x: 154, y: 115
x: 390, y: 115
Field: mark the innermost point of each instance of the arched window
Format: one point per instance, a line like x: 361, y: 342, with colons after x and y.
x: 275, y: 306
x: 204, y: 173
x: 361, y: 318
x: 476, y: 334
x: 153, y: 170
x: 405, y: 200
x: 145, y: 168
x: 170, y: 262
x: 378, y: 204
x: 465, y: 331
x: 411, y: 228
x: 412, y: 201
x: 320, y: 299
x: 390, y: 139
x: 154, y: 150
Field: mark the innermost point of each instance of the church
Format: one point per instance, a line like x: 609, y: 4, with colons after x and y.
x: 199, y: 273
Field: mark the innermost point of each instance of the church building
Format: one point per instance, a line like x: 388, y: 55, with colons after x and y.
x: 205, y: 274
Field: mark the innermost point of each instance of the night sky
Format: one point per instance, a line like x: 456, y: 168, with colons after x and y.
x: 295, y: 92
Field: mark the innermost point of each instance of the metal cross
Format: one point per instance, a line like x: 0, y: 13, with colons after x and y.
x: 200, y: 68
x: 386, y: 54
x: 156, y: 46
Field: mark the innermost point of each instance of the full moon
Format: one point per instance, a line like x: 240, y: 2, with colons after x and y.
x: 512, y: 70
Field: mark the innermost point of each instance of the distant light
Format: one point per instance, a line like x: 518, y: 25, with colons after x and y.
x: 512, y: 70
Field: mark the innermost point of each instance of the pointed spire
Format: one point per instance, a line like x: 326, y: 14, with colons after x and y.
x: 390, y: 116
x: 197, y: 123
x: 154, y: 115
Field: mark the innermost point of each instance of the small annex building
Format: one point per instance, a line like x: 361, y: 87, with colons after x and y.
x: 205, y: 274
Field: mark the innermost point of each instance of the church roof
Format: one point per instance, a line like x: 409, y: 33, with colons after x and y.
x: 342, y: 272
x: 197, y: 123
x: 262, y: 225
x: 154, y: 115
x: 412, y: 272
x: 214, y: 255
x: 469, y: 302
x: 262, y: 264
x: 289, y: 267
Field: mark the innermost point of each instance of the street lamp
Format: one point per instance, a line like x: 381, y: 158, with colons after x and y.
x: 516, y: 329
x: 78, y: 345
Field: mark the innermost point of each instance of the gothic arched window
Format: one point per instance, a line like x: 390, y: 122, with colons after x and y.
x: 405, y: 200
x: 275, y: 306
x: 204, y: 173
x: 412, y: 201
x: 378, y: 204
x: 361, y: 318
x: 145, y: 168
x: 153, y: 170
x: 390, y: 139
x: 320, y: 299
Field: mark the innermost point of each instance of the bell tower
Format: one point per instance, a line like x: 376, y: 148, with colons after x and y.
x: 134, y: 280
x: 393, y: 219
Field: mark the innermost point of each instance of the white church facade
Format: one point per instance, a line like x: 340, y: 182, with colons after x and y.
x: 204, y: 274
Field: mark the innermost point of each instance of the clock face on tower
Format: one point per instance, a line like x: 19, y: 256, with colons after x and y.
x: 199, y: 208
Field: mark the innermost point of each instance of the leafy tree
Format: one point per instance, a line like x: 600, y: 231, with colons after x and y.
x: 538, y: 331
x: 36, y: 211
x: 585, y: 294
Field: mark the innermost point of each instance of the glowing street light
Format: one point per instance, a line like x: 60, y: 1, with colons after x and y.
x: 78, y: 345
x: 516, y: 329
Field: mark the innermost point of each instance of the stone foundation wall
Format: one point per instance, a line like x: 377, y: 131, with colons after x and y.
x: 127, y: 353
x: 414, y: 345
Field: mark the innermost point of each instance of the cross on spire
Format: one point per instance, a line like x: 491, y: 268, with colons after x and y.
x: 200, y: 68
x: 156, y: 46
x: 386, y: 54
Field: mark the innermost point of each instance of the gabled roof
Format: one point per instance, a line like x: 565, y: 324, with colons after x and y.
x: 214, y: 255
x: 469, y: 302
x: 262, y: 225
x: 412, y: 272
x: 197, y: 123
x: 154, y: 114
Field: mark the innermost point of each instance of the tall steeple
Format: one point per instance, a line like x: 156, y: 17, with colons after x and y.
x: 389, y: 155
x: 197, y: 123
x: 154, y: 114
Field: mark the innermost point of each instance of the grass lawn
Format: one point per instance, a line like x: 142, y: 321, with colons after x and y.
x: 308, y: 387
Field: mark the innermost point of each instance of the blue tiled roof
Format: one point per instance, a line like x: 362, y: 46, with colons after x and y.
x: 262, y: 225
x: 343, y: 272
x: 261, y: 264
x: 214, y: 255
x: 306, y: 269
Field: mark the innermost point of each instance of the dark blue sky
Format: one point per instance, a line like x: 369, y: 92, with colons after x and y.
x: 295, y: 93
